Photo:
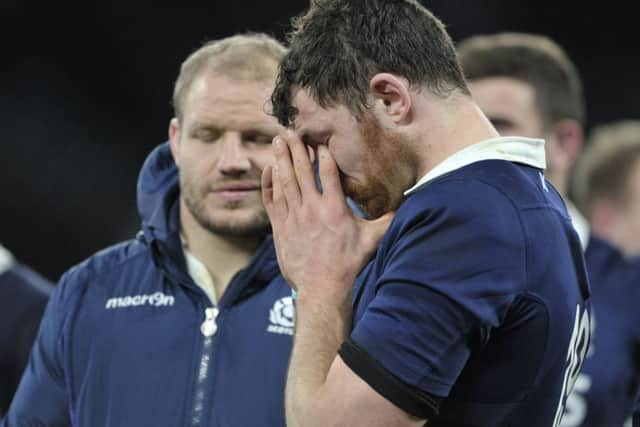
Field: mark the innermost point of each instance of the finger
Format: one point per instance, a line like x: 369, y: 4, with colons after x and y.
x: 266, y: 185
x: 302, y: 165
x: 284, y: 173
x: 272, y: 198
x: 279, y: 201
x: 312, y: 154
x: 329, y: 174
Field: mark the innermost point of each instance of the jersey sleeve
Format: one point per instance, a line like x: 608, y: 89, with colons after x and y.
x: 41, y: 398
x: 447, y: 278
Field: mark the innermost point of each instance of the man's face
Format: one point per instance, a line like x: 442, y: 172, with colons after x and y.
x: 221, y: 147
x: 510, y: 105
x: 370, y: 159
x: 627, y: 219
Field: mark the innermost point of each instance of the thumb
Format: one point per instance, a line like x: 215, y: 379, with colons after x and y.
x: 374, y: 230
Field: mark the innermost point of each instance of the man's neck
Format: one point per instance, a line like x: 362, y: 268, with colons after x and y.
x: 222, y: 255
x: 452, y: 126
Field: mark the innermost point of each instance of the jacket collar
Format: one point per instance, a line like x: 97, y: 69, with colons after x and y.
x: 158, y: 202
x: 6, y: 260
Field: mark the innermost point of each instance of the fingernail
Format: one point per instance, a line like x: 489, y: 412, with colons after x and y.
x: 278, y: 144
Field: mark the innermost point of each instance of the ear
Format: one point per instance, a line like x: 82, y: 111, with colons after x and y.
x: 570, y: 138
x: 392, y: 94
x: 174, y: 139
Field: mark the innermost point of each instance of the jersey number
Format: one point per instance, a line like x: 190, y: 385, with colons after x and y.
x: 576, y: 353
x: 576, y: 409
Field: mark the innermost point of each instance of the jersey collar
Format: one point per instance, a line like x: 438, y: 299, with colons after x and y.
x: 516, y: 149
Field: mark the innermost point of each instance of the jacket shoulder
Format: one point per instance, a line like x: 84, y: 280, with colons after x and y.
x: 128, y: 255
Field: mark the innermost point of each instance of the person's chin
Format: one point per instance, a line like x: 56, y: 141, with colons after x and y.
x: 237, y: 222
x: 235, y: 211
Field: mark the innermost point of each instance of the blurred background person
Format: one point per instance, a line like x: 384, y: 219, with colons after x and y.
x: 527, y: 85
x: 606, y: 184
x: 23, y: 297
x: 190, y: 323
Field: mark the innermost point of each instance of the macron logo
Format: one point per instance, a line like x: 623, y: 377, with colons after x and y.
x: 157, y: 299
x: 281, y: 317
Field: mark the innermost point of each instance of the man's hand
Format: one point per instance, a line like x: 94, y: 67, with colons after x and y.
x: 321, y: 245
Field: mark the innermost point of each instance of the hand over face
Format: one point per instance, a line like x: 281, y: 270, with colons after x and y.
x: 321, y: 245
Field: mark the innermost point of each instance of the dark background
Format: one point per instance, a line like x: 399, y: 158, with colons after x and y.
x: 85, y: 93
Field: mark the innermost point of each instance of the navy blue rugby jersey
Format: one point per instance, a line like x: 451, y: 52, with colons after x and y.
x: 609, y: 382
x: 476, y: 304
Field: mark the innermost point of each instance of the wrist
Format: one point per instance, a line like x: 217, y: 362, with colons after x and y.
x: 312, y: 306
x: 324, y: 294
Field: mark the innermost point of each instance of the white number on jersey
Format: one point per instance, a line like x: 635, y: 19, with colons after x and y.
x: 576, y: 353
x: 576, y: 409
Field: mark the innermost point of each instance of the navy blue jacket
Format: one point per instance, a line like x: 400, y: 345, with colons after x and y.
x: 121, y: 343
x: 609, y: 382
x: 23, y: 297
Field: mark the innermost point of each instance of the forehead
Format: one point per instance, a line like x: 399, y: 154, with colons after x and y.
x: 222, y: 99
x: 503, y: 95
x: 312, y: 118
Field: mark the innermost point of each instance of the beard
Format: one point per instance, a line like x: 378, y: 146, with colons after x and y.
x: 232, y: 218
x: 387, y: 171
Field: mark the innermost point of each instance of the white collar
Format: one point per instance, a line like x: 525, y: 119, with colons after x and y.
x: 6, y: 260
x: 580, y: 224
x: 198, y: 272
x: 517, y: 149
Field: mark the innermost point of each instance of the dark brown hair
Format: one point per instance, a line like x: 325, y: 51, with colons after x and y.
x: 533, y: 59
x: 338, y: 45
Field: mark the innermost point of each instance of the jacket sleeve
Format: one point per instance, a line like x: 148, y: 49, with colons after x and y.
x: 41, y: 398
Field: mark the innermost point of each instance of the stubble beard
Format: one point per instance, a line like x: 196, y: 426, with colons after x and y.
x: 238, y: 225
x: 387, y: 168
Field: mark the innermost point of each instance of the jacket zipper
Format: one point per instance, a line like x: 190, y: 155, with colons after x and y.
x: 208, y: 329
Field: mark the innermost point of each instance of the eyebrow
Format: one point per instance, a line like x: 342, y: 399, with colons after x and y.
x: 261, y: 130
x: 203, y: 125
x: 251, y: 129
x: 500, y: 122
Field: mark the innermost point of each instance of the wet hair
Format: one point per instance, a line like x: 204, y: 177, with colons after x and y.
x: 337, y: 46
x: 533, y: 59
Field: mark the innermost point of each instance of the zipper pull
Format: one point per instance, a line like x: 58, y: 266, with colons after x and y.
x: 209, y: 326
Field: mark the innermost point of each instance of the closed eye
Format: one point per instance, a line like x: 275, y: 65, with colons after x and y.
x: 257, y: 137
x: 314, y: 140
x: 206, y: 134
x: 502, y: 125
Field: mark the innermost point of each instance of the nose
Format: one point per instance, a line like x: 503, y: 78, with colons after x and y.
x: 234, y: 158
